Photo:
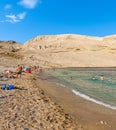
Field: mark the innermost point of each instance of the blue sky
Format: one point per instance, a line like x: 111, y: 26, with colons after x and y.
x: 22, y: 20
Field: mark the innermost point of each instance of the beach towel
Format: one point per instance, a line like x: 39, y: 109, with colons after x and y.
x: 7, y: 87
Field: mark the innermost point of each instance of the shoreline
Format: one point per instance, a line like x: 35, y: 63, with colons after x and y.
x: 42, y: 94
x: 93, y: 100
x: 86, y: 114
x: 89, y: 98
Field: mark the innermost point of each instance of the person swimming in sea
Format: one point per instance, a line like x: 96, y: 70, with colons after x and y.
x: 102, y: 77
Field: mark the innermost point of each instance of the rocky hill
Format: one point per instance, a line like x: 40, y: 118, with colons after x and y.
x: 9, y: 52
x: 71, y: 50
x: 68, y: 50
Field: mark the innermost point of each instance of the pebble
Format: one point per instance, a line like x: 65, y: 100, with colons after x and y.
x: 31, y: 109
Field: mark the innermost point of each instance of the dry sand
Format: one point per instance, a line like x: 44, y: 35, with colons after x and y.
x: 29, y: 108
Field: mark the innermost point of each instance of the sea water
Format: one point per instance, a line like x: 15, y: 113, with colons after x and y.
x: 86, y: 83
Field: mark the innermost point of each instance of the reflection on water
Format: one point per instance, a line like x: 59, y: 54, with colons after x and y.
x: 88, y: 81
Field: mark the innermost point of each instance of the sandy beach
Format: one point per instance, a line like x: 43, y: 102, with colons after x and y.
x: 39, y: 104
x: 28, y: 108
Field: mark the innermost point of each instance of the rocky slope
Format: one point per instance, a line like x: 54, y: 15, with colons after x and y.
x: 71, y: 50
x: 68, y: 50
x: 9, y: 53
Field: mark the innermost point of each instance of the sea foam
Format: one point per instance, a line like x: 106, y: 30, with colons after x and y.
x: 93, y: 100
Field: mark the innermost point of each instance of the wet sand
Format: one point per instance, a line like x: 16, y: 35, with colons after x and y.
x: 86, y: 114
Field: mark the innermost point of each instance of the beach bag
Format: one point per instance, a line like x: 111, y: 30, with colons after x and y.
x: 28, y: 71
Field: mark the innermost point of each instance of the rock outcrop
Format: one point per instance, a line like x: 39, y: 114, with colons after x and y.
x: 9, y: 52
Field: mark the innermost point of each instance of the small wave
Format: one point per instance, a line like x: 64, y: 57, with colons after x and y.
x: 93, y: 100
x: 60, y: 85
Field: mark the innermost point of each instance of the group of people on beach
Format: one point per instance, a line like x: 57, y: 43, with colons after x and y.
x: 20, y: 69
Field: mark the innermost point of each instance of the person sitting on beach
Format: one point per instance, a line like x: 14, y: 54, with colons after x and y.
x: 19, y: 70
x: 1, y: 75
x: 8, y: 73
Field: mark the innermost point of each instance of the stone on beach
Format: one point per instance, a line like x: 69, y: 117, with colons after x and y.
x: 31, y: 109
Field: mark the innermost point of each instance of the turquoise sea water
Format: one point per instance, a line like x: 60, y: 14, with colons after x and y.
x: 81, y: 80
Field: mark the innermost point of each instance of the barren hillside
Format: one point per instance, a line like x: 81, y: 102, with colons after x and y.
x: 68, y: 50
x: 9, y: 53
x: 71, y: 50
